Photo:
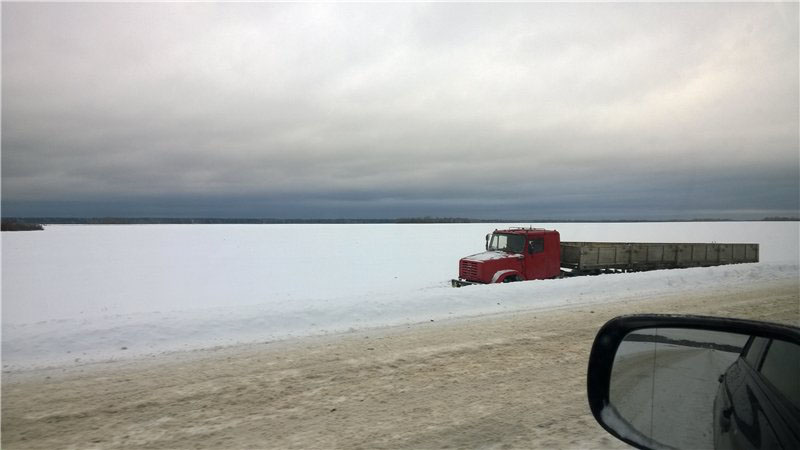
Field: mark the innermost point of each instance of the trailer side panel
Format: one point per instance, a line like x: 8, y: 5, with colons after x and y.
x: 634, y: 256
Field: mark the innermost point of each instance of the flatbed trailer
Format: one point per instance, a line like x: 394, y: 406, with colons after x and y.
x: 596, y: 257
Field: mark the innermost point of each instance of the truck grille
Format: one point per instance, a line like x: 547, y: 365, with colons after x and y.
x: 468, y: 270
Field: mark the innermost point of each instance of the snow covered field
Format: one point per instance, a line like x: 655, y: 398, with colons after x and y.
x: 74, y: 294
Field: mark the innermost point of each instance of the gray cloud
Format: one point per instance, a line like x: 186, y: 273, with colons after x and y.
x: 303, y: 110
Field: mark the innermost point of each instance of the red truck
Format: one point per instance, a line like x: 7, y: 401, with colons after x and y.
x: 518, y: 254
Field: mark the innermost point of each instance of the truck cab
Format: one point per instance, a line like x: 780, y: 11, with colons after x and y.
x: 514, y: 254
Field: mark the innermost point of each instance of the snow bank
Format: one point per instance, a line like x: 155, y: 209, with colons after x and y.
x: 80, y: 294
x: 66, y: 341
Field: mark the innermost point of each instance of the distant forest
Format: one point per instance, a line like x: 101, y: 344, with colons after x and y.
x: 19, y: 225
x: 34, y: 223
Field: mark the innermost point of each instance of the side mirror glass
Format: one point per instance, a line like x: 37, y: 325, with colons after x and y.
x: 695, y: 387
x: 668, y: 379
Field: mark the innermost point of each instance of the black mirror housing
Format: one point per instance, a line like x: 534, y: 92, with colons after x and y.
x: 610, y: 337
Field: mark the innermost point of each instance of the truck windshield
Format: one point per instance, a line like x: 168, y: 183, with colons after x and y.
x: 512, y: 243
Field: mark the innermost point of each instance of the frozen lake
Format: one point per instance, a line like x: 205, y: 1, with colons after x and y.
x: 76, y: 271
x: 197, y: 284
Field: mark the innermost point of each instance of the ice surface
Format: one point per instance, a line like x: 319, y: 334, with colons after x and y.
x: 84, y: 292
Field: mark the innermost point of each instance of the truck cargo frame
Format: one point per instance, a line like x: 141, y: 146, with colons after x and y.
x: 588, y: 257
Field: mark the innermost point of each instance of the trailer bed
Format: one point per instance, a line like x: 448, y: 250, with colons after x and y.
x: 582, y: 257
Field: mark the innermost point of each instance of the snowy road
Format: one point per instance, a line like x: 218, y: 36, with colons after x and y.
x: 515, y: 380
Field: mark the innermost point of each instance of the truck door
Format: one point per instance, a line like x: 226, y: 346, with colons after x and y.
x: 535, y: 258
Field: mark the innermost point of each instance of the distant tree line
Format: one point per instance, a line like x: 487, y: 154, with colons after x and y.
x: 172, y: 220
x: 18, y: 225
x: 183, y: 220
x: 33, y: 222
x: 429, y: 219
x: 782, y: 219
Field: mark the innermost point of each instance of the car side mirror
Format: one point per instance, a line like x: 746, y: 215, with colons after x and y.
x: 667, y: 381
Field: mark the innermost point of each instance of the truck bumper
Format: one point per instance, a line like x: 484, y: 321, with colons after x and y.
x: 459, y: 283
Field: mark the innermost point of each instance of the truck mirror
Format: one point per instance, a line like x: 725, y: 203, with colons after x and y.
x: 486, y: 246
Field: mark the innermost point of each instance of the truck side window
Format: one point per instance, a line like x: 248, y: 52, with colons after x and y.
x: 536, y: 245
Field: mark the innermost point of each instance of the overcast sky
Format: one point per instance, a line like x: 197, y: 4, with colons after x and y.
x: 393, y: 110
